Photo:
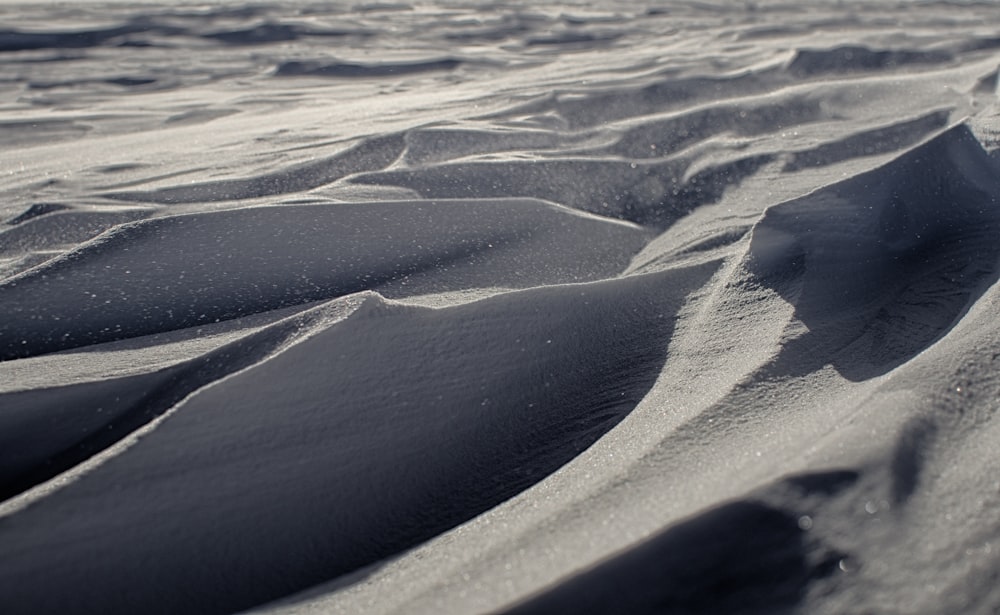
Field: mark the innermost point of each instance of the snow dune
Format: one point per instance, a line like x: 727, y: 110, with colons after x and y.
x: 246, y: 261
x: 333, y: 432
x: 455, y: 308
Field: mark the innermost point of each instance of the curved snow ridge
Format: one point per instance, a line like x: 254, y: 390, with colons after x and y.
x: 880, y: 265
x: 652, y: 192
x: 49, y: 430
x: 897, y: 135
x: 59, y: 229
x: 133, y: 280
x: 359, y: 441
x: 370, y: 154
x: 34, y: 211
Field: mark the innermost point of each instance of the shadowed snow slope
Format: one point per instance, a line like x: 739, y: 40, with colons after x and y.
x: 440, y: 308
x: 880, y: 269
x: 744, y: 556
x: 360, y: 441
x: 244, y: 261
x: 880, y: 265
x: 48, y: 430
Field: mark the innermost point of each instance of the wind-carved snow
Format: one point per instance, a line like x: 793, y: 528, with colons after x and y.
x: 455, y: 308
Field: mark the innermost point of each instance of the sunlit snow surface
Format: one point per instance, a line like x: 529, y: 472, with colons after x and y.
x: 499, y: 307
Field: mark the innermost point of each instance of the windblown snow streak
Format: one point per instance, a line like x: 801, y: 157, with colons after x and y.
x: 495, y: 307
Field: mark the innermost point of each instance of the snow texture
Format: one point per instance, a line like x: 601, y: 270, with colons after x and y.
x: 453, y: 307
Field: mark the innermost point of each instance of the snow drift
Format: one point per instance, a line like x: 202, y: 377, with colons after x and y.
x: 453, y: 308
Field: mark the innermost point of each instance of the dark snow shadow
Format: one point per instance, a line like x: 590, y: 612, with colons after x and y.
x: 743, y: 557
x: 881, y: 265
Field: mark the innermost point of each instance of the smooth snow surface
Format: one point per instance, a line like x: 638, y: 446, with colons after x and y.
x: 454, y: 307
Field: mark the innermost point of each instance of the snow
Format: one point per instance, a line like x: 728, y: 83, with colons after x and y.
x: 454, y: 307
